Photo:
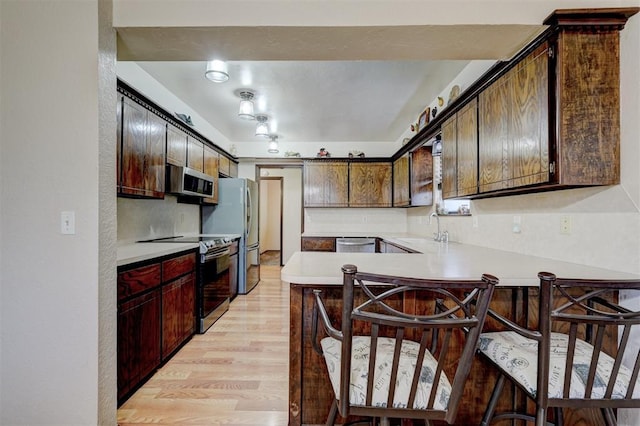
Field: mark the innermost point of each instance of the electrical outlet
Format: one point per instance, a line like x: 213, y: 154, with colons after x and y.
x: 516, y: 225
x: 565, y: 225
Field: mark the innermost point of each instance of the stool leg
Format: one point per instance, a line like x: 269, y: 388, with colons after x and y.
x: 493, y: 401
x: 331, y: 420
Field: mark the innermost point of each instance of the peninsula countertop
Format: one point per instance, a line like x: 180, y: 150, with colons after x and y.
x: 438, y: 261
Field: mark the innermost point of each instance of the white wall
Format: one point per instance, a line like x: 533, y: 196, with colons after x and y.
x: 345, y: 221
x: 270, y: 213
x: 49, y: 133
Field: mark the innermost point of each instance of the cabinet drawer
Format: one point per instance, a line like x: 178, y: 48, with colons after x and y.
x: 318, y: 244
x: 138, y: 280
x: 177, y: 266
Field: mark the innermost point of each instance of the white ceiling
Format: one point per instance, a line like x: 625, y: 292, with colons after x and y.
x: 317, y: 84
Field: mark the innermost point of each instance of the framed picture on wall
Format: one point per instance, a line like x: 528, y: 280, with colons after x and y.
x: 423, y: 119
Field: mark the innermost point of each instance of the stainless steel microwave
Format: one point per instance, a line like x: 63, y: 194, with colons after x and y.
x: 186, y: 181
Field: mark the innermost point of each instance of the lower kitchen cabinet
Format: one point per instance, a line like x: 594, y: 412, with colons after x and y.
x: 156, y: 315
x: 138, y: 340
x: 318, y: 244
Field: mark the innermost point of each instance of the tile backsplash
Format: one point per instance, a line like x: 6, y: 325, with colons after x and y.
x: 141, y: 219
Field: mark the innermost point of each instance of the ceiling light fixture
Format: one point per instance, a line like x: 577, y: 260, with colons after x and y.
x: 217, y: 71
x: 262, y: 128
x: 273, y: 145
x: 246, y: 105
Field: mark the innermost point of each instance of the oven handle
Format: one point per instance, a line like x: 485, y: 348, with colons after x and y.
x: 215, y: 255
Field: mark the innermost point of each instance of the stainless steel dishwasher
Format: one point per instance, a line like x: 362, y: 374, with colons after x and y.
x: 356, y: 245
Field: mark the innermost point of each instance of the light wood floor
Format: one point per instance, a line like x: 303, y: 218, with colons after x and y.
x: 237, y: 373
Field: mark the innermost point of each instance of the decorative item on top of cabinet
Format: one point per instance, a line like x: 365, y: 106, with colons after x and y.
x: 176, y: 146
x: 211, y: 168
x: 422, y: 176
x: 326, y: 183
x: 370, y: 184
x: 195, y: 154
x: 401, y: 181
x: 460, y: 152
x: 318, y: 244
x: 142, y: 152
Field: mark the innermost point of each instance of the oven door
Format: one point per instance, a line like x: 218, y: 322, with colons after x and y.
x: 213, y: 289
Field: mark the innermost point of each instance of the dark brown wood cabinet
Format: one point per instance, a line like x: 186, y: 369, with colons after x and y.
x: 156, y: 315
x: 318, y: 244
x: 178, y: 302
x: 401, y: 196
x: 370, y: 184
x: 421, y: 177
x: 326, y: 183
x: 176, y: 146
x: 195, y: 154
x: 460, y: 152
x: 211, y: 158
x: 224, y: 166
x: 513, y: 126
x: 142, y: 161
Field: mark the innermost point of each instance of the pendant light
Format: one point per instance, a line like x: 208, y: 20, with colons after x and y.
x: 273, y: 145
x: 217, y: 71
x: 246, y: 105
x: 262, y: 128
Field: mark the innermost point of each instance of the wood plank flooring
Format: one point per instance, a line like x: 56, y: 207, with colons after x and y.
x: 237, y: 373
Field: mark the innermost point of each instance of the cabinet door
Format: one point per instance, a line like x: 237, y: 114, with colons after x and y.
x: 318, y: 244
x: 401, y: 181
x: 224, y: 166
x: 188, y: 306
x: 195, y: 154
x: 326, y: 184
x: 370, y: 184
x: 467, y: 144
x: 176, y: 146
x: 211, y: 168
x: 528, y: 154
x: 514, y: 126
x: 138, y: 340
x: 171, y: 330
x: 449, y: 158
x: 233, y: 169
x: 143, y: 151
x: 422, y: 177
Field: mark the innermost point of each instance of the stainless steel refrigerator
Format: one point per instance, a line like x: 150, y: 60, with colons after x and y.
x: 237, y: 213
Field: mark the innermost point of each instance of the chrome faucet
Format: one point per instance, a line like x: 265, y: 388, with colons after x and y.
x: 439, y: 236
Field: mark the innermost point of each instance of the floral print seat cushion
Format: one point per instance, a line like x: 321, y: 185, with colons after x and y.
x: 518, y: 356
x: 384, y: 359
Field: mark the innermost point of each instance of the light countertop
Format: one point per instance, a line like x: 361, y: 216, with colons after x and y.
x: 137, y: 252
x: 438, y: 261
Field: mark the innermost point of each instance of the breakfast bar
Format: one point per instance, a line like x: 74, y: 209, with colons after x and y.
x: 310, y: 394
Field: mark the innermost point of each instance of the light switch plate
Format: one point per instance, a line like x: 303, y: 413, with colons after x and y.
x: 68, y: 222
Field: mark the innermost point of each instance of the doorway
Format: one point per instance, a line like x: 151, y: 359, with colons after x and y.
x: 271, y: 220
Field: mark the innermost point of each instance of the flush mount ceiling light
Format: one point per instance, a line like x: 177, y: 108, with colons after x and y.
x: 217, y: 71
x: 246, y: 104
x: 262, y: 128
x: 273, y: 145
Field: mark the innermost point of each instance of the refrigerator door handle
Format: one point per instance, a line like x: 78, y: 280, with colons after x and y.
x: 249, y: 207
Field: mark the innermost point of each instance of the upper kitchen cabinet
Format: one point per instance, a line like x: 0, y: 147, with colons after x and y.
x: 326, y: 183
x: 460, y: 152
x: 142, y: 152
x: 401, y: 196
x: 224, y: 166
x: 513, y: 139
x: 422, y: 176
x: 176, y: 146
x: 370, y: 184
x: 211, y: 169
x: 195, y: 154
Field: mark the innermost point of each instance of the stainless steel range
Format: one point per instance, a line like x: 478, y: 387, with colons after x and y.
x: 214, y: 268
